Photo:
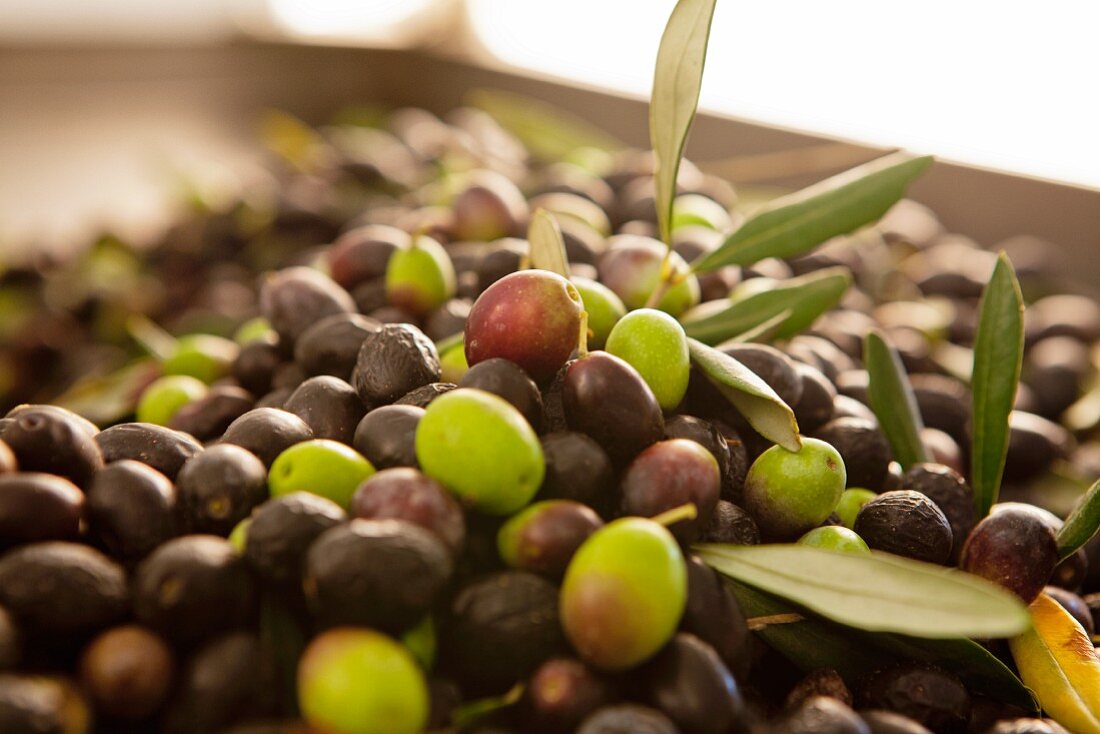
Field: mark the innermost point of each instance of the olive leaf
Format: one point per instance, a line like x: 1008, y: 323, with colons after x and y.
x: 107, y: 399
x: 474, y: 711
x: 761, y: 333
x: 150, y: 337
x: 812, y: 643
x: 1057, y: 661
x: 677, y: 80
x: 892, y: 399
x: 878, y: 592
x: 798, y: 222
x: 806, y: 298
x: 548, y: 132
x: 998, y: 357
x: 754, y: 399
x: 547, y: 246
x: 1082, y: 523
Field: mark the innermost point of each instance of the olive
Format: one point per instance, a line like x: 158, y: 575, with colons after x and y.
x: 1014, y: 547
x: 219, y: 487
x: 835, y: 538
x: 444, y: 698
x: 499, y: 629
x: 452, y: 363
x: 1065, y: 315
x: 131, y: 509
x: 952, y: 495
x: 34, y: 704
x: 888, y: 722
x: 654, y: 343
x: 127, y: 672
x: 820, y: 682
x: 289, y: 375
x: 908, y: 524
x: 929, y: 695
x: 203, y: 356
x: 326, y: 468
x: 331, y: 346
x: 267, y: 432
x: 9, y: 641
x: 255, y: 330
x: 275, y: 398
x: 489, y: 206
x: 632, y: 267
x: 358, y: 681
x: 851, y: 502
x: 1075, y: 605
x: 627, y: 718
x: 944, y: 403
x: 772, y: 366
x: 54, y: 441
x: 387, y: 435
x: 690, y: 683
x: 370, y: 296
x: 448, y: 320
x: 942, y: 449
x: 532, y: 318
x: 481, y: 448
x: 733, y: 481
x: 607, y: 399
x: 423, y: 396
x: 789, y: 492
x: 294, y: 299
x: 406, y: 494
x: 731, y: 524
x: 1055, y: 369
x: 503, y: 259
x: 864, y: 448
x: 815, y: 405
x: 707, y: 435
x: 161, y: 400
x: 256, y: 365
x: 60, y: 588
x: 624, y: 593
x: 193, y: 587
x: 218, y: 686
x: 281, y: 531
x: 8, y: 463
x: 544, y: 536
x: 421, y: 277
x: 1027, y: 726
x: 562, y: 692
x: 207, y: 418
x: 507, y: 380
x: 669, y: 474
x: 603, y: 307
x: 329, y: 406
x: 36, y: 506
x: 713, y: 615
x: 375, y: 573
x: 1034, y: 443
x: 361, y: 254
x: 846, y: 407
x: 822, y: 715
x: 393, y: 361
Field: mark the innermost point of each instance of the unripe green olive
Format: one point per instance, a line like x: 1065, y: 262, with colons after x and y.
x: 789, y: 492
x: 202, y: 356
x: 603, y: 307
x: 835, y: 537
x: 655, y: 344
x: 420, y: 278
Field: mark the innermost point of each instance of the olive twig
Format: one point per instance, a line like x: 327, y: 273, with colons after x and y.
x: 664, y: 282
x: 582, y: 337
x: 758, y: 623
x: 676, y: 514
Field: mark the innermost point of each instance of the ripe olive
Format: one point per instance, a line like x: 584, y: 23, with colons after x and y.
x: 822, y: 715
x: 267, y: 432
x: 507, y: 380
x: 294, y: 299
x: 54, y: 441
x: 131, y: 509
x: 280, y: 532
x: 488, y: 207
x: 819, y: 682
x: 331, y: 346
x: 329, y: 406
x: 562, y: 692
x: 731, y: 524
x: 36, y: 506
x: 632, y: 268
x: 406, y: 494
x: 952, y: 495
x: 627, y: 718
x: 927, y: 694
x: 207, y: 418
x: 576, y: 469
x: 1014, y: 547
x: 219, y: 487
x: 690, y: 683
x: 864, y: 448
x: 393, y: 361
x: 908, y: 524
x: 544, y: 536
x: 361, y: 254
x: 669, y: 474
x: 387, y: 435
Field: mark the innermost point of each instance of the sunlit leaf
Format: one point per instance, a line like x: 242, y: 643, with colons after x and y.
x: 893, y: 401
x: 547, y: 246
x: 1082, y: 523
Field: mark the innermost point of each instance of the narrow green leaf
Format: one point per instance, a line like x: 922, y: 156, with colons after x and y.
x: 547, y: 245
x: 152, y: 338
x: 1082, y: 523
x: 877, y: 592
x: 813, y: 643
x: 806, y: 298
x: 893, y: 401
x: 998, y: 356
x: 676, y: 84
x: 794, y: 224
x: 474, y: 711
x: 762, y: 333
x: 107, y: 399
x: 754, y: 399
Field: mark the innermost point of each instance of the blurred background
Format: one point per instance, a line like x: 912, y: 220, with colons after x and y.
x: 987, y: 83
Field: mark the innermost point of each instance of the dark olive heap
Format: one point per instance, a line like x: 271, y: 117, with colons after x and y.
x: 378, y: 485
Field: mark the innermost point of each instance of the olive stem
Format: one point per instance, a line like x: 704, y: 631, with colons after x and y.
x: 582, y: 338
x: 663, y: 282
x: 676, y: 514
x: 758, y: 623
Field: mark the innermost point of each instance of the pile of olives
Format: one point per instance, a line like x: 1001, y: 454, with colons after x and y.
x: 386, y: 479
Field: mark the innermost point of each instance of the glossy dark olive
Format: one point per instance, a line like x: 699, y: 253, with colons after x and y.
x: 219, y: 487
x: 864, y: 448
x: 507, y: 380
x: 562, y: 692
x: 1014, y: 547
x: 669, y: 474
x: 815, y: 406
x: 331, y: 346
x: 161, y: 448
x: 607, y: 399
x: 707, y: 435
x: 447, y: 320
x: 952, y: 495
x: 371, y: 296
x: 384, y: 574
x: 280, y: 533
x: 54, y: 441
x: 127, y: 671
x: 218, y: 686
x: 131, y: 509
x: 36, y: 506
x: 944, y: 403
x: 627, y: 718
x: 1075, y: 605
x: 60, y: 588
x: 692, y: 686
x: 207, y: 418
x: 361, y: 254
x: 387, y: 435
x: 820, y: 682
x: 543, y: 537
x: 713, y: 615
x: 499, y: 629
x: 329, y: 406
x: 403, y: 493
x: 821, y: 715
x: 276, y: 398
x: 192, y: 588
x: 1034, y: 443
x: 267, y: 432
x: 907, y: 524
x: 731, y: 524
x: 393, y: 361
x: 256, y: 365
x: 772, y: 366
x: 422, y: 396
x: 289, y: 376
x: 1055, y: 369
x: 577, y: 469
x: 294, y: 299
x: 931, y: 696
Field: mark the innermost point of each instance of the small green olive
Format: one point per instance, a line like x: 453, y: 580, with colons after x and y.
x: 850, y: 504
x: 835, y: 537
x: 164, y: 397
x: 655, y: 344
x: 421, y: 277
x: 202, y: 356
x: 789, y: 492
x: 321, y: 466
x: 603, y: 307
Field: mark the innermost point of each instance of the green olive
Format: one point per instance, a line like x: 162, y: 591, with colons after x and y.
x: 420, y: 278
x: 202, y: 356
x: 165, y: 396
x: 697, y: 210
x: 453, y: 363
x: 654, y: 343
x: 421, y: 642
x: 789, y: 492
x: 321, y: 466
x: 482, y: 449
x: 238, y: 536
x: 603, y: 307
x: 254, y: 330
x: 835, y: 537
x: 850, y: 503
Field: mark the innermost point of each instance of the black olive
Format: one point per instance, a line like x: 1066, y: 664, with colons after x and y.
x: 361, y: 254
x: 289, y: 375
x: 267, y: 432
x: 1055, y: 369
x: 507, y: 380
x: 820, y: 682
x: 447, y: 320
x: 929, y: 695
x: 499, y: 629
x: 815, y: 407
x: 713, y: 615
x: 331, y: 346
x: 329, y: 406
x: 772, y: 366
x: 707, y: 435
x: 944, y: 403
x: 36, y: 506
x: 693, y: 687
x: 207, y: 418
x: 907, y: 524
x: 1027, y: 726
x: 256, y: 365
x: 127, y: 671
x: 1015, y: 547
x: 731, y: 524
x: 846, y: 407
x: 423, y: 396
x: 161, y: 448
x: 1034, y: 443
x: 821, y: 715
x: 562, y: 692
x: 36, y: 704
x: 192, y: 588
x: 219, y: 487
x: 627, y: 718
x: 276, y: 398
x: 375, y: 573
x: 294, y: 299
x: 387, y: 435
x: 281, y: 531
x: 864, y: 448
x: 218, y: 686
x: 393, y: 361
x: 54, y: 441
x: 370, y: 296
x: 131, y: 509
x: 577, y: 469
x: 504, y: 259
x: 952, y: 495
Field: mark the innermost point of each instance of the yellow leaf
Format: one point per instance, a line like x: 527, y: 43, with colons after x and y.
x: 1057, y: 661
